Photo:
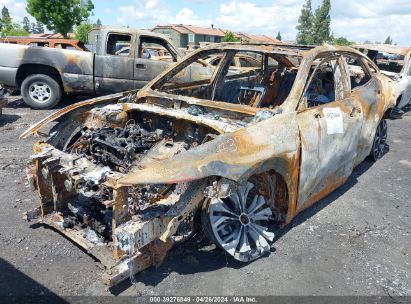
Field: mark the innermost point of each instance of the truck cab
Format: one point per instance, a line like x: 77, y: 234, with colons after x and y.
x: 123, y: 61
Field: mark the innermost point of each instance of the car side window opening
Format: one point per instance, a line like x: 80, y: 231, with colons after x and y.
x: 118, y: 45
x: 322, y: 82
x: 249, y: 63
x: 359, y: 74
x: 155, y: 49
x: 262, y: 85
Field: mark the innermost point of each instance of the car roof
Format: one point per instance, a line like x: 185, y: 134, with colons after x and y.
x: 281, y: 48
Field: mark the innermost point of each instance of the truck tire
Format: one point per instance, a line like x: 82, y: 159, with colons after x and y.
x: 40, y: 91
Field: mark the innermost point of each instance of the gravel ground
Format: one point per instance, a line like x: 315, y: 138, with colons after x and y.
x: 354, y: 242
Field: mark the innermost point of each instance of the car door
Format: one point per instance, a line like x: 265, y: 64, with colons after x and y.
x: 406, y: 98
x: 366, y: 90
x: 330, y: 126
x: 147, y: 66
x: 114, y: 69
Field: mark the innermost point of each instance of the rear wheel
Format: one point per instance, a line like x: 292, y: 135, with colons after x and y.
x: 239, y: 223
x: 379, y: 146
x: 41, y: 91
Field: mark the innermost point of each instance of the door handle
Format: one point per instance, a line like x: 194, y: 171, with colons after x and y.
x: 317, y: 115
x: 355, y: 110
x: 140, y: 66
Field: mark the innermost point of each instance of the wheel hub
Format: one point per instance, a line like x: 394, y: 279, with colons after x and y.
x: 244, y: 219
x: 40, y: 92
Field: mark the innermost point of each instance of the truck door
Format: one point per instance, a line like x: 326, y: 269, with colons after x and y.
x: 153, y: 55
x: 330, y: 123
x: 114, y: 69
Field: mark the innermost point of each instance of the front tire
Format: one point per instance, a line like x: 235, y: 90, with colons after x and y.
x: 41, y: 91
x: 379, y: 145
x: 239, y: 224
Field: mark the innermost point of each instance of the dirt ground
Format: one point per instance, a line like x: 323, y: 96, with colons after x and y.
x: 354, y: 242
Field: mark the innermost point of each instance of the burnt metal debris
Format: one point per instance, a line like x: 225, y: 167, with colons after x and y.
x: 128, y: 175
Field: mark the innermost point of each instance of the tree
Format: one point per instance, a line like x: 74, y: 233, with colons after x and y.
x: 229, y: 37
x: 98, y: 23
x: 82, y: 31
x: 26, y: 24
x: 279, y: 36
x: 305, y: 24
x: 322, y: 23
x: 14, y: 29
x: 388, y: 40
x: 341, y: 41
x: 33, y: 28
x: 60, y: 15
x: 39, y: 28
x: 5, y: 22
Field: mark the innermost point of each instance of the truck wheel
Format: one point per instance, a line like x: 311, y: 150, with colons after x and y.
x: 41, y: 91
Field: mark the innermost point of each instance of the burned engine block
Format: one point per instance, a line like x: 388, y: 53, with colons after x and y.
x: 117, y: 148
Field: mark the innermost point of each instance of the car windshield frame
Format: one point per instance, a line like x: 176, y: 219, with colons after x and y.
x: 279, y: 54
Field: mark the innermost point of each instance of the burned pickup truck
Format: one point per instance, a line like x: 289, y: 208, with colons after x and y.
x: 118, y: 61
x: 234, y: 155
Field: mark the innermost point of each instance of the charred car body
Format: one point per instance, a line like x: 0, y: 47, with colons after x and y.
x: 128, y: 175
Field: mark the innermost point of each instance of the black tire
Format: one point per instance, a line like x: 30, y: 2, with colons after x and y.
x: 40, y: 91
x: 379, y: 145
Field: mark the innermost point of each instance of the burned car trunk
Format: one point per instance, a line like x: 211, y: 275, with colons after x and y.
x: 128, y: 175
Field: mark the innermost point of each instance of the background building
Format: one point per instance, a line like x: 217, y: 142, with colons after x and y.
x: 190, y: 36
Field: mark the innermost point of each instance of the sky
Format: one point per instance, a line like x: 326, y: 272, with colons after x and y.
x: 356, y: 20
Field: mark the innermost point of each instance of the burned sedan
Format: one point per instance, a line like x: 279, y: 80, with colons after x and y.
x: 126, y: 176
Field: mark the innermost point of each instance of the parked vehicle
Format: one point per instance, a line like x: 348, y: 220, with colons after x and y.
x: 58, y: 43
x: 395, y: 62
x: 128, y: 175
x: 3, y: 100
x: 44, y: 75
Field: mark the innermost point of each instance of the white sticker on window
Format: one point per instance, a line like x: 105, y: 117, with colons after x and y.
x: 334, y: 119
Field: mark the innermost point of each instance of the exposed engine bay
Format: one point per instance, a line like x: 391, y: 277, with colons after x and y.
x: 114, y: 150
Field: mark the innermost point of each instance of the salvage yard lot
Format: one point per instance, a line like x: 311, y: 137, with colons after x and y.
x: 354, y: 242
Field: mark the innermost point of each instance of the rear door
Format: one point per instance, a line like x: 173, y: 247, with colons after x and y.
x: 114, y: 70
x: 330, y: 123
x: 367, y: 93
